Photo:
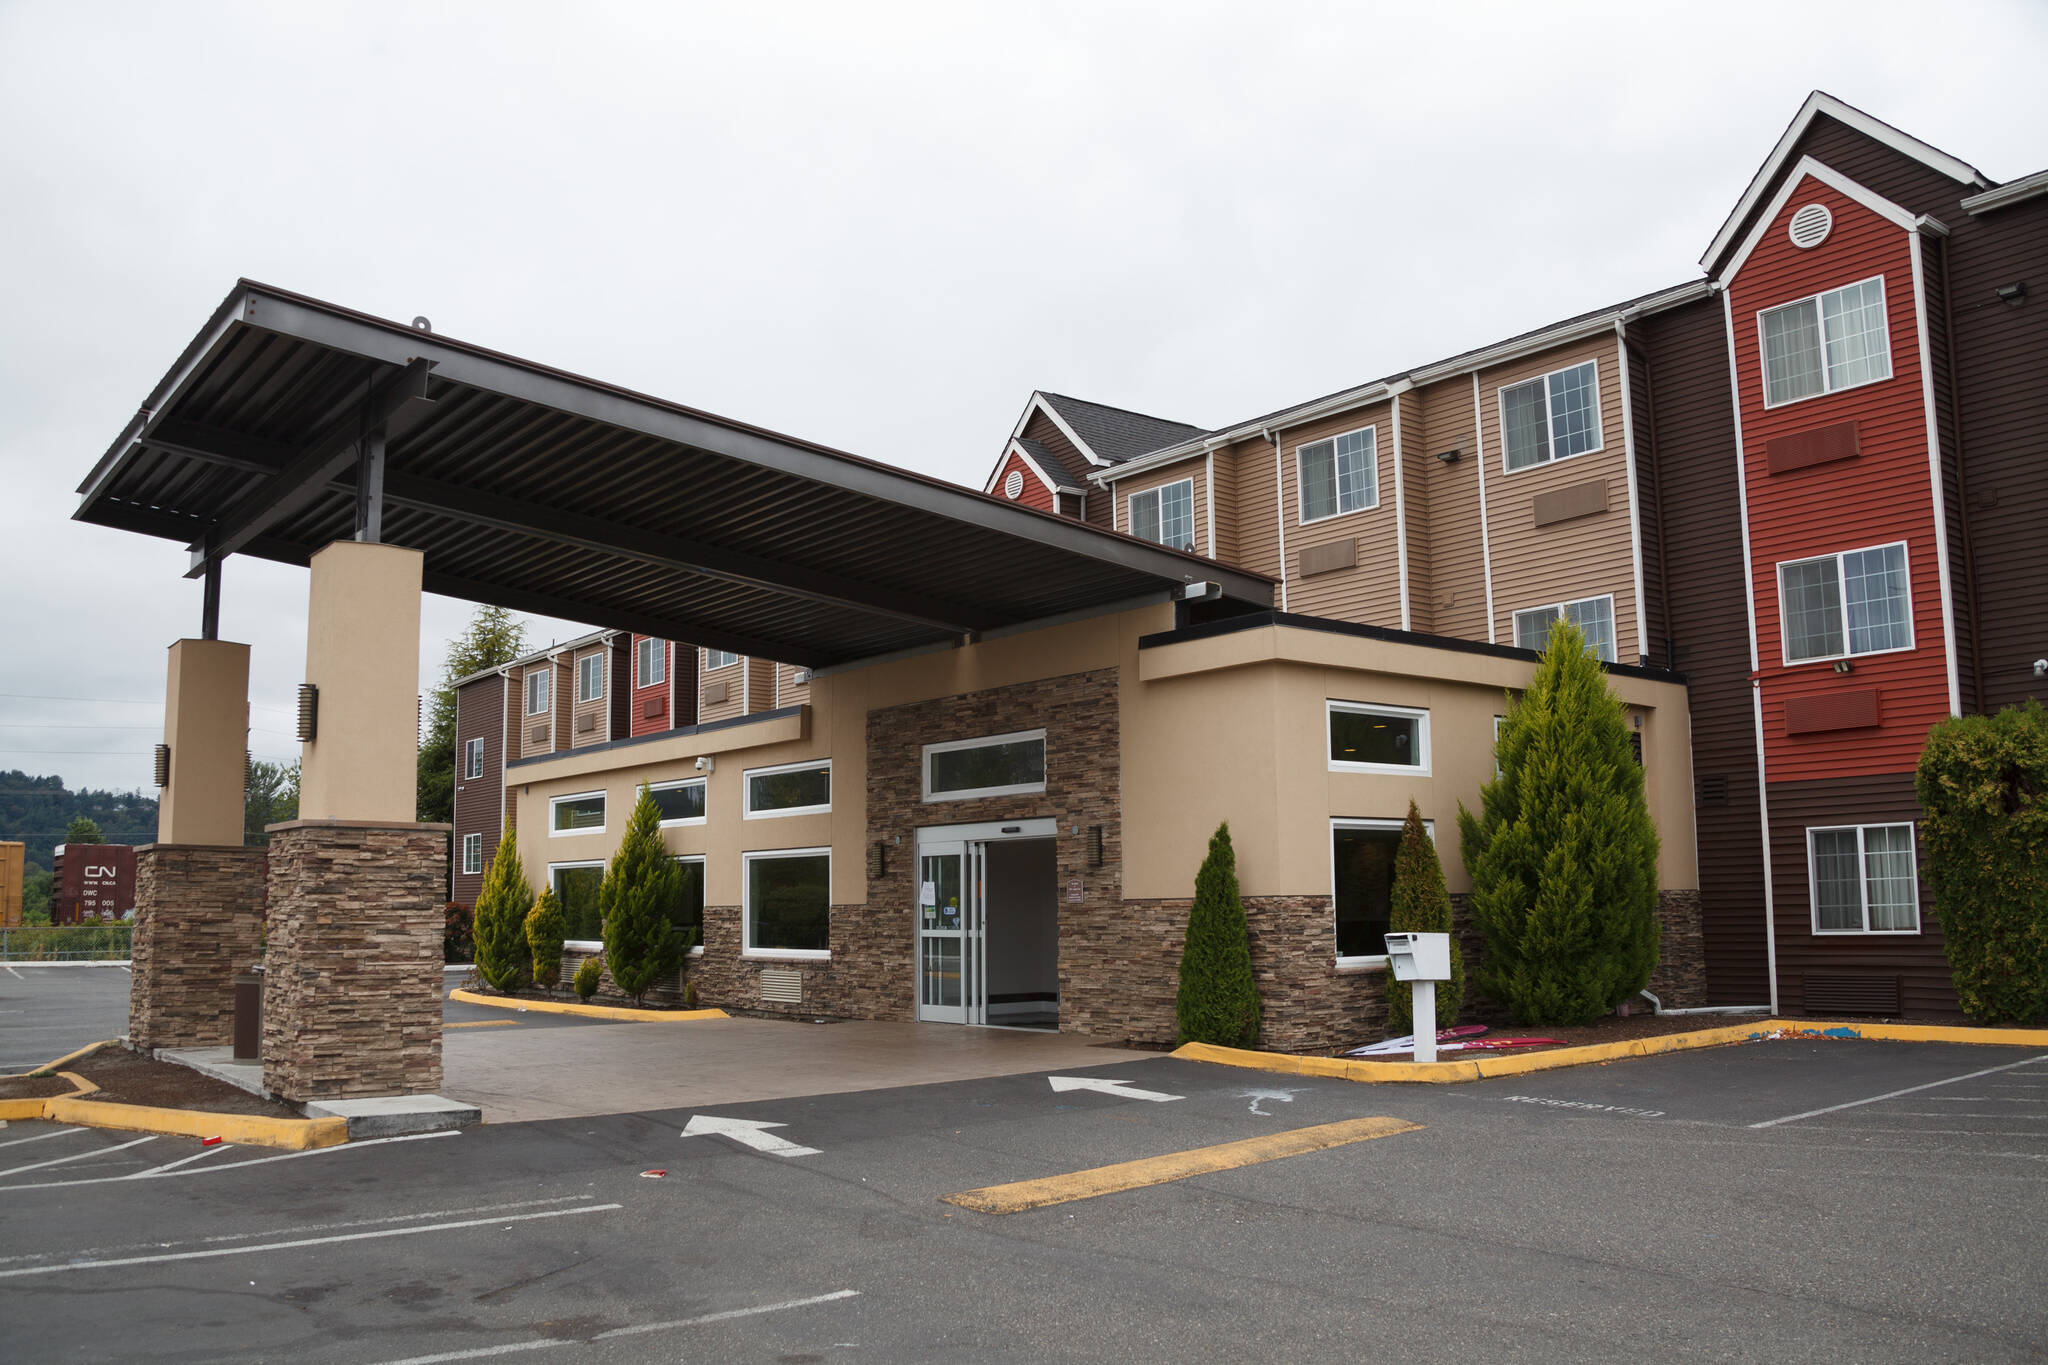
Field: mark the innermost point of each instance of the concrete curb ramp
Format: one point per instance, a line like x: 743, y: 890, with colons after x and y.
x: 250, y: 1130
x: 619, y: 1013
x: 1480, y: 1068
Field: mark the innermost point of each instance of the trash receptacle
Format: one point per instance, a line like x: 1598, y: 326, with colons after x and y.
x: 249, y: 1015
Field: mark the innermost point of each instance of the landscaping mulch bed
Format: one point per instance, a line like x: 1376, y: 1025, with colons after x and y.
x: 1613, y: 1029
x: 125, y: 1077
x: 33, y: 1088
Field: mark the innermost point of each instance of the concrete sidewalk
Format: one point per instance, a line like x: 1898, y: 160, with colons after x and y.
x: 517, y: 1074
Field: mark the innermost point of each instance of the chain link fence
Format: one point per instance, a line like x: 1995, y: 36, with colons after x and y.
x: 66, y: 943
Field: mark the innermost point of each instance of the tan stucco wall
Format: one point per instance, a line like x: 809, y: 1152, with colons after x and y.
x: 206, y: 725
x: 363, y: 653
x: 1227, y: 728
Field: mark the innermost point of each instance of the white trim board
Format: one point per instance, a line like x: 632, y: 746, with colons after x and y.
x: 1834, y: 180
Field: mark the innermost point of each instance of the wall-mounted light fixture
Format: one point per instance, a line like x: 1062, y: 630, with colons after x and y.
x: 163, y: 765
x: 2012, y: 295
x: 1452, y: 455
x: 801, y: 677
x: 1095, y: 846
x: 309, y: 712
x: 1844, y: 666
x: 878, y: 860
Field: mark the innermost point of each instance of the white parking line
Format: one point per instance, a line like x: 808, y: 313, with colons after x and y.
x: 61, y: 1132
x: 303, y: 1242
x: 77, y: 1156
x: 16, y: 975
x: 1892, y: 1095
x: 233, y: 1165
x: 200, y: 1155
x: 639, y: 1329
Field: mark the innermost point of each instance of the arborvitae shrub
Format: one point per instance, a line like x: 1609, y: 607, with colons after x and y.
x: 545, y: 930
x: 1219, y: 998
x: 502, y: 956
x: 589, y: 976
x: 1421, y: 905
x: 641, y: 890
x: 1983, y: 781
x: 1563, y: 856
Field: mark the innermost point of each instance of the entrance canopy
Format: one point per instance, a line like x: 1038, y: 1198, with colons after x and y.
x: 289, y: 423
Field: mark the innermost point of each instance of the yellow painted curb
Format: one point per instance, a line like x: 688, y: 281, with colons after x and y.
x: 36, y: 1106
x: 1479, y: 1068
x: 623, y: 1013
x: 1023, y: 1195
x: 244, y: 1129
x: 31, y: 1108
x: 85, y: 1051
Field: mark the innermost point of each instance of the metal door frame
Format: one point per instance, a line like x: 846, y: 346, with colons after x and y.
x: 972, y: 842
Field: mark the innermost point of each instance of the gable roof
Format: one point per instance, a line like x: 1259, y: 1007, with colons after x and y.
x: 1047, y: 462
x: 1113, y: 435
x: 1817, y: 104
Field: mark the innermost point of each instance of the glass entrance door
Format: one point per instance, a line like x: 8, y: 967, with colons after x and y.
x: 951, y: 945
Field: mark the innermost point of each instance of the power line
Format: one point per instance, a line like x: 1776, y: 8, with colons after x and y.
x: 126, y: 701
x: 68, y: 725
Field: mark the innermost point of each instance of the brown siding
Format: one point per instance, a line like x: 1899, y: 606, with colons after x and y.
x: 732, y: 678
x: 1047, y: 433
x: 1457, y: 568
x: 1194, y: 469
x: 1415, y: 464
x: 1258, y: 528
x: 564, y: 698
x: 1228, y: 538
x: 1534, y: 566
x: 760, y: 685
x: 1371, y: 591
x: 592, y: 714
x: 1691, y: 459
x: 479, y: 801
x: 1917, y: 959
x: 619, y: 686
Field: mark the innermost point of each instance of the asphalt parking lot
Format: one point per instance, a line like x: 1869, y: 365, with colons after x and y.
x: 47, y: 1011
x: 1782, y: 1201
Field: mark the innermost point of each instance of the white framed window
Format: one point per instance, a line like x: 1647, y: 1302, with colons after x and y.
x: 680, y: 803
x: 1855, y: 602
x: 651, y: 662
x: 537, y: 692
x: 790, y: 789
x: 472, y: 759
x: 1362, y: 886
x: 1367, y: 737
x: 576, y: 886
x: 786, y: 903
x: 1165, y: 515
x: 1825, y: 343
x: 1551, y: 417
x: 1864, y: 878
x: 719, y: 658
x: 1497, y: 723
x: 1339, y: 475
x: 688, y: 913
x: 590, y: 678
x: 472, y: 854
x: 1594, y: 616
x: 582, y: 813
x: 995, y: 765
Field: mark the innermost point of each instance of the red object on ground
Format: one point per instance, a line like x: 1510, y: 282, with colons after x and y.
x: 209, y: 1142
x: 652, y: 1175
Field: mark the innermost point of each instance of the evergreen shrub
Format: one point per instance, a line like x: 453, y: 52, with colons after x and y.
x: 1983, y: 782
x: 1563, y: 856
x: 502, y: 956
x: 545, y: 930
x: 1421, y: 905
x: 589, y: 976
x: 1219, y: 997
x: 642, y: 888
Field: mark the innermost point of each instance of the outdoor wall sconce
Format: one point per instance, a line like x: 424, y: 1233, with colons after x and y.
x: 878, y: 860
x: 309, y: 712
x: 1451, y: 456
x: 2012, y: 295
x: 1844, y: 666
x: 163, y: 765
x: 1095, y: 846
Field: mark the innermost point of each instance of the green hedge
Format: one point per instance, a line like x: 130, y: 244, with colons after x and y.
x: 66, y: 943
x: 1983, y: 781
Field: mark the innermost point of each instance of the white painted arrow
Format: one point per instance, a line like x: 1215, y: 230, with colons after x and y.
x: 1121, y: 1089
x: 747, y: 1132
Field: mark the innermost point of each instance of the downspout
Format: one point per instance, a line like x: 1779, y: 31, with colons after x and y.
x: 1955, y: 405
x: 1279, y: 512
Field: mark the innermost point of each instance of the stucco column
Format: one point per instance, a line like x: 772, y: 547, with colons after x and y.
x: 363, y: 654
x: 206, y: 727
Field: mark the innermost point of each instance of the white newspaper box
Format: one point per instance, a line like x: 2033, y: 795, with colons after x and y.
x: 1422, y: 960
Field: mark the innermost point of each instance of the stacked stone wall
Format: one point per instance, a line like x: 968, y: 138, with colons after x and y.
x: 198, y: 921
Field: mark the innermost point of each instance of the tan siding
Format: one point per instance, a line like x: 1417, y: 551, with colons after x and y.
x: 788, y: 691
x: 734, y: 704
x: 1371, y: 592
x: 1194, y: 469
x: 1586, y: 557
x: 527, y: 725
x: 1415, y: 463
x: 564, y: 693
x: 760, y: 685
x: 1227, y: 537
x: 597, y: 709
x: 1457, y: 563
x: 1258, y: 529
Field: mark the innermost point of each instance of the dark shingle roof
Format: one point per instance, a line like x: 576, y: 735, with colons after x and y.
x: 1115, y: 434
x: 1063, y: 478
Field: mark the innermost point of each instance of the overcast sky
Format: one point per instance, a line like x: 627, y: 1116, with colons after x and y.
x: 875, y: 226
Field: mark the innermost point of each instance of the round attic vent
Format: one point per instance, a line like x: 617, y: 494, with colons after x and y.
x: 1810, y: 226
x: 1013, y: 483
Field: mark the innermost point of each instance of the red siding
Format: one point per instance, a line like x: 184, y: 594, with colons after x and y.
x: 657, y: 699
x: 1882, y: 495
x: 1034, y: 493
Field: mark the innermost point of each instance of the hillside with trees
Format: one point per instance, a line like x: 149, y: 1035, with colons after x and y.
x: 38, y: 810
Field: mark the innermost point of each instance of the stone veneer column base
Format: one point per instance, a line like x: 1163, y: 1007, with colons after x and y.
x: 1680, y: 980
x: 352, y: 987
x: 198, y: 921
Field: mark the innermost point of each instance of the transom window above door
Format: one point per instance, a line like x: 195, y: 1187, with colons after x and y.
x: 1594, y: 616
x: 999, y: 765
x: 1165, y: 515
x: 1338, y: 475
x: 1831, y: 341
x: 1551, y: 417
x: 1856, y: 602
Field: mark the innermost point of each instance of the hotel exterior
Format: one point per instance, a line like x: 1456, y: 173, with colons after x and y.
x: 1794, y: 503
